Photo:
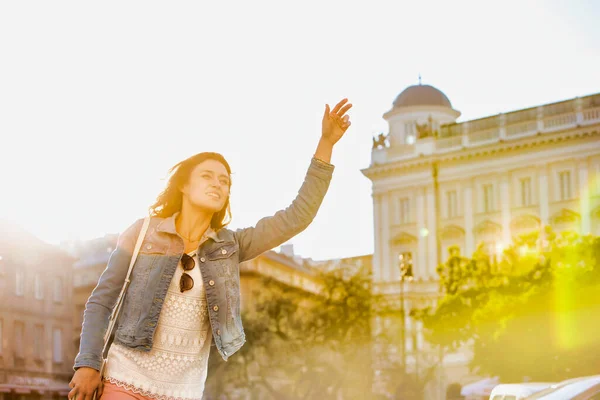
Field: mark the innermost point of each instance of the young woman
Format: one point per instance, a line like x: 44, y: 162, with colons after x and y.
x: 185, y: 290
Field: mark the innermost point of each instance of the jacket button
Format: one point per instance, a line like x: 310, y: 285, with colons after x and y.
x: 216, y: 308
x: 223, y: 251
x: 148, y: 246
x: 202, y: 259
x: 219, y: 332
x: 211, y: 282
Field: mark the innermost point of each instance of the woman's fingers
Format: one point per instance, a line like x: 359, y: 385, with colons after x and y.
x: 344, y: 109
x: 338, y: 106
x: 77, y: 394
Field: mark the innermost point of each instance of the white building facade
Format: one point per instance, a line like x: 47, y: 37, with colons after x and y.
x: 438, y: 183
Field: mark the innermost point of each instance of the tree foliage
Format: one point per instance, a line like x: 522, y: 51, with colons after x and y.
x: 528, y: 314
x: 301, y: 346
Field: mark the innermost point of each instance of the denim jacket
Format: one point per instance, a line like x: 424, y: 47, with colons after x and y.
x: 219, y: 258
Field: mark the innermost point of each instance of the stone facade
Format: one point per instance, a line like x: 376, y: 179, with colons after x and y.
x: 36, y: 339
x: 438, y: 183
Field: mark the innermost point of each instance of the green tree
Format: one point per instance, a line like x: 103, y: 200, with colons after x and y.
x: 530, y: 313
x: 302, y: 346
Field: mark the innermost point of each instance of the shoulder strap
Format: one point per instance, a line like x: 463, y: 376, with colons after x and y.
x: 117, y: 308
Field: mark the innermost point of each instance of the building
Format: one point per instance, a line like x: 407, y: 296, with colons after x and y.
x: 438, y: 182
x: 36, y: 349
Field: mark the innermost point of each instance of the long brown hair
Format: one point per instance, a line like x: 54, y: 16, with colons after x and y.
x: 170, y: 200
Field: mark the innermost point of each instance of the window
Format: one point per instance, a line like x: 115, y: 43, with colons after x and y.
x: 38, y: 342
x: 564, y: 184
x: 404, y: 213
x: 58, y: 289
x: 452, y: 204
x: 20, y: 283
x: 38, y: 287
x: 19, y: 339
x: 57, y: 345
x: 405, y: 264
x: 526, y: 192
x: 488, y: 198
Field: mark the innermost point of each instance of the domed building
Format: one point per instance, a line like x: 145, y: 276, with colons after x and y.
x: 438, y: 183
x: 417, y: 113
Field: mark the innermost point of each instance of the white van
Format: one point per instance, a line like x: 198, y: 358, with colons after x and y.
x: 517, y: 391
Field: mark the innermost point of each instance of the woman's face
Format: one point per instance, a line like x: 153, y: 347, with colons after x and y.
x: 208, y: 186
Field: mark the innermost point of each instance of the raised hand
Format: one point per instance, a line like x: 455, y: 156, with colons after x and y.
x: 335, y: 122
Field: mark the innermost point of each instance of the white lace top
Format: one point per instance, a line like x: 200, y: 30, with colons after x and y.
x: 176, y: 366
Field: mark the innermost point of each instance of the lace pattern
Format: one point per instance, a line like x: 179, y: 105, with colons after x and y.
x: 144, y: 393
x: 176, y: 366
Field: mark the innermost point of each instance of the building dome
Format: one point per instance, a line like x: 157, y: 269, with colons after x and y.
x: 421, y: 95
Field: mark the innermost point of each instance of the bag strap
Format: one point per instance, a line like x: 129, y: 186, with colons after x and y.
x: 115, y: 313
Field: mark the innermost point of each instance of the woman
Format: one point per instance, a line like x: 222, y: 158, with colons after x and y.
x: 173, y: 311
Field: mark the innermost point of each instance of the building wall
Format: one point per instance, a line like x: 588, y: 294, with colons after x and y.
x: 35, y: 320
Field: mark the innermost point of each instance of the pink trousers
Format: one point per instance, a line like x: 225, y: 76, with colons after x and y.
x: 114, y: 392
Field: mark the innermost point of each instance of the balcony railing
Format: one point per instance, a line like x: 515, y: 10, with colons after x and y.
x: 591, y: 115
x: 560, y: 121
x: 449, y: 143
x: 521, y: 129
x: 513, y: 125
x: 487, y: 135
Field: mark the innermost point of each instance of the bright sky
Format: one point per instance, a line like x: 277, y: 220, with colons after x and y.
x: 99, y: 99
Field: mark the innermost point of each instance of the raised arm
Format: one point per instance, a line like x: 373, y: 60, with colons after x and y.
x: 272, y: 231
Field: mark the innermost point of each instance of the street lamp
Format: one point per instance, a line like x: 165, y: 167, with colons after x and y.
x: 406, y: 274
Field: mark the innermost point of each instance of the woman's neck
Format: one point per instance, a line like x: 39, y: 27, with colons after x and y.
x: 191, y: 223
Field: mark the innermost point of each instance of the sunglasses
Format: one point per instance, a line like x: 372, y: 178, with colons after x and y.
x: 186, y: 282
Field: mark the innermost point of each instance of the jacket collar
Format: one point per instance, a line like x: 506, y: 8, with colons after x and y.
x: 168, y: 225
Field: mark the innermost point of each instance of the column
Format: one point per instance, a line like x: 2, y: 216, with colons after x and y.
x: 385, y: 238
x: 469, y: 210
x: 377, y: 229
x: 505, y: 207
x: 432, y: 254
x: 584, y: 198
x: 543, y: 196
x: 420, y: 269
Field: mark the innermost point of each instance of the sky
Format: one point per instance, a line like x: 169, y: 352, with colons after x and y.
x: 98, y: 100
